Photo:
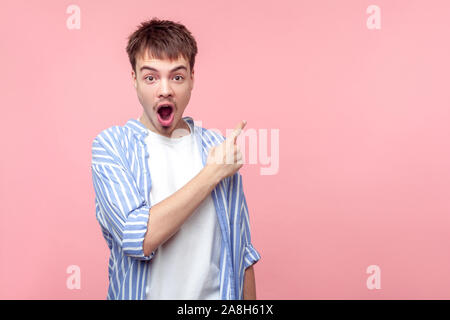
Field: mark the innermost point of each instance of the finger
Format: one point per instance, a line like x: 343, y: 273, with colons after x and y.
x: 237, y: 130
x: 239, y: 159
x: 240, y: 125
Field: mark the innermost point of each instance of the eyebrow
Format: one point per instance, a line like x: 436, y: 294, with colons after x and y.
x: 153, y: 69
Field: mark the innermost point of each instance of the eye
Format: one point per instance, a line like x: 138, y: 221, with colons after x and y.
x: 179, y: 77
x: 147, y: 77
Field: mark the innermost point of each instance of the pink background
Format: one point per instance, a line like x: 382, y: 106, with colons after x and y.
x: 364, y: 167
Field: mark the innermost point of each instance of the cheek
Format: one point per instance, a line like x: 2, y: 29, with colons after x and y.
x: 146, y: 99
x: 146, y: 94
x: 185, y: 94
x: 140, y: 97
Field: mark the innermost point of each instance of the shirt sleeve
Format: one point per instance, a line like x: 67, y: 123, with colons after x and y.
x: 124, y: 212
x: 250, y: 254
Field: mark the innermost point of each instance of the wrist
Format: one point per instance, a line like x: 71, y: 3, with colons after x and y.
x: 213, y: 175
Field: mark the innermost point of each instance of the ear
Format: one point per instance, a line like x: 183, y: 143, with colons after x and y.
x: 192, y: 79
x: 133, y: 78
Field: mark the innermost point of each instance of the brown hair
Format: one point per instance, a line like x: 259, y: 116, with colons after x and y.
x: 164, y: 39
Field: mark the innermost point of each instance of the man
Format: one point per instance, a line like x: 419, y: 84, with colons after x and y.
x: 169, y: 201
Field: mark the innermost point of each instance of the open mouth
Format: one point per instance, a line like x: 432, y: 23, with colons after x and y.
x: 165, y: 111
x: 165, y: 114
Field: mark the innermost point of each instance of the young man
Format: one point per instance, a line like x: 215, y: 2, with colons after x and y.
x: 169, y: 201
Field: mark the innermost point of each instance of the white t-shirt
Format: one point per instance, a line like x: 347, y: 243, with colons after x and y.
x: 186, y: 266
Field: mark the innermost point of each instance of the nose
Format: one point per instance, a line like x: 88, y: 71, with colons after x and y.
x: 165, y: 90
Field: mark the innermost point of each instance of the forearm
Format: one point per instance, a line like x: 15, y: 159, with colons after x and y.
x: 167, y: 216
x: 249, y: 284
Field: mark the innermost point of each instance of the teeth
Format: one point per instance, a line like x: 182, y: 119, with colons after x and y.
x: 165, y: 105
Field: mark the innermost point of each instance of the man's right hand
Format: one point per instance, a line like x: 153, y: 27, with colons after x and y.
x: 226, y: 159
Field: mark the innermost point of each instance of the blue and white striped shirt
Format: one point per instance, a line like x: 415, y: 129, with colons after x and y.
x: 121, y: 179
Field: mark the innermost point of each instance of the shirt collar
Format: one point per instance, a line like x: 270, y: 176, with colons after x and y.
x: 141, y: 130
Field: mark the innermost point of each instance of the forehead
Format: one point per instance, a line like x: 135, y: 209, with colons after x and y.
x: 162, y: 64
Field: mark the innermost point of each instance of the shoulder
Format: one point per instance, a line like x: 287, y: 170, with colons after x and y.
x: 108, y: 135
x: 113, y: 138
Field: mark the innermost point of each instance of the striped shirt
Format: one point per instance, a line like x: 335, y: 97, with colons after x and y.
x: 122, y: 183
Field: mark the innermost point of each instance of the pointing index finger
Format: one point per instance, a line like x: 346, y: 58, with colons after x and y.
x: 238, y: 129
